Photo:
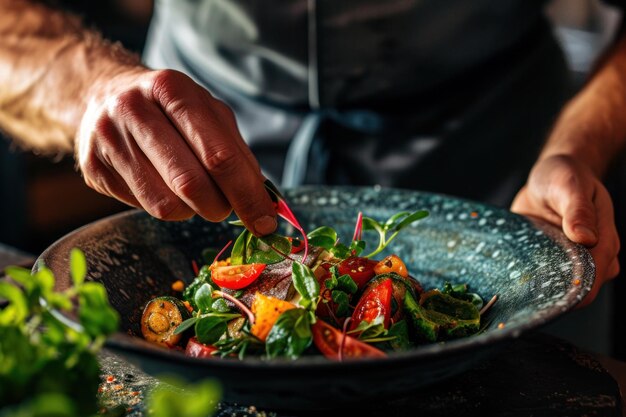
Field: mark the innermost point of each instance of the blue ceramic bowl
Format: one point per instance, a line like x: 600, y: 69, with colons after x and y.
x: 537, y: 273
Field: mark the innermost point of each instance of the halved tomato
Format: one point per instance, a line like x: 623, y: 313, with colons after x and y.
x: 375, y: 302
x: 328, y: 340
x: 195, y: 349
x: 361, y: 270
x: 236, y: 277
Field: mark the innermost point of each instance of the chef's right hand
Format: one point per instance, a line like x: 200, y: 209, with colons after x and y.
x: 158, y: 140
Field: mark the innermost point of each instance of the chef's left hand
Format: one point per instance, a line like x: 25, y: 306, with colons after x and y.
x: 568, y: 194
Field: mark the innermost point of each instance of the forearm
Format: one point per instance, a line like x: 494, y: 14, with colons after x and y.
x: 48, y: 62
x: 592, y: 126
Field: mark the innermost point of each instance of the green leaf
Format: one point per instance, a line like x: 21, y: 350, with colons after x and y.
x: 340, y: 251
x: 96, y: 315
x: 400, y: 333
x: 237, y: 255
x: 412, y: 218
x: 204, y: 298
x: 220, y: 305
x: 347, y: 284
x: 356, y: 247
x: 20, y: 275
x: 45, y: 280
x: 186, y: 325
x: 370, y: 330
x: 17, y: 309
x: 340, y: 297
x: 269, y: 249
x: 396, y: 218
x: 371, y: 224
x: 78, y: 266
x: 305, y: 282
x: 210, y: 328
x: 291, y: 334
x: 323, y: 237
x: 173, y: 398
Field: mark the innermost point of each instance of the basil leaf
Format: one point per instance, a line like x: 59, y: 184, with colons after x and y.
x: 186, y: 325
x: 204, y: 298
x: 210, y: 328
x: 291, y: 334
x: 324, y: 237
x: 305, y: 282
x: 78, y: 266
x: 238, y: 253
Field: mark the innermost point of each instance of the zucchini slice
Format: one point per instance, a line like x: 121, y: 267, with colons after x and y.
x: 160, y: 318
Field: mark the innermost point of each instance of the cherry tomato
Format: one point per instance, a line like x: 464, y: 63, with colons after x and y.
x: 391, y: 263
x: 375, y: 302
x: 361, y: 270
x: 236, y: 277
x: 195, y: 349
x: 328, y: 340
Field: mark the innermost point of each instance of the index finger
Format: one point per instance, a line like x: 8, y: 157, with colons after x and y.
x: 209, y: 128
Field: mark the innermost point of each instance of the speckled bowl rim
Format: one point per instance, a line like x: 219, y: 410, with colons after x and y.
x: 122, y: 342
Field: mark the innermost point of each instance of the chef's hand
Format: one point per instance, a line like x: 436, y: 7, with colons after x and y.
x: 568, y: 194
x: 158, y: 140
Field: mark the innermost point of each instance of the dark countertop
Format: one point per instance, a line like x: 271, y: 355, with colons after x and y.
x: 536, y: 375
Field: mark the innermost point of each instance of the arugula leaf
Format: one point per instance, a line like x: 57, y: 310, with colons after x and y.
x: 291, y: 335
x: 305, y: 282
x: 324, y: 237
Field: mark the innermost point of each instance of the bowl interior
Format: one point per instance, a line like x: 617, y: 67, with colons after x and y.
x: 536, y: 272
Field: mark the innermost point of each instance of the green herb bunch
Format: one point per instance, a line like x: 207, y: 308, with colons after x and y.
x: 47, y: 365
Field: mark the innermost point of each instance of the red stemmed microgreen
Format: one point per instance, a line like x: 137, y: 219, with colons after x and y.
x: 358, y: 229
x: 283, y: 210
x: 217, y: 257
x: 241, y: 306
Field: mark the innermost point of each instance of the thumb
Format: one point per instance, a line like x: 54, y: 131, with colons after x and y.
x: 575, y: 205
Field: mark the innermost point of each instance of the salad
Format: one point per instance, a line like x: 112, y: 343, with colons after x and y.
x: 281, y: 296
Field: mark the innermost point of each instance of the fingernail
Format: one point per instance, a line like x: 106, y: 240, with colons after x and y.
x: 265, y: 225
x: 585, y: 232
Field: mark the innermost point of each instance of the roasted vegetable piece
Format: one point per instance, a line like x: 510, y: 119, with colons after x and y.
x: 195, y: 349
x: 391, y: 263
x: 160, y: 318
x: 442, y: 318
x: 360, y: 269
x: 266, y: 311
x: 375, y: 302
x: 329, y: 341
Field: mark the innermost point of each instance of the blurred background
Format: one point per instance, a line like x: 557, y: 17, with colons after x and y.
x: 43, y: 199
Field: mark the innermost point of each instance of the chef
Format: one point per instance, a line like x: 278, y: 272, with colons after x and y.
x: 454, y: 97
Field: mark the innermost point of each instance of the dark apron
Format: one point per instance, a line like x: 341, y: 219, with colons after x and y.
x: 474, y: 133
